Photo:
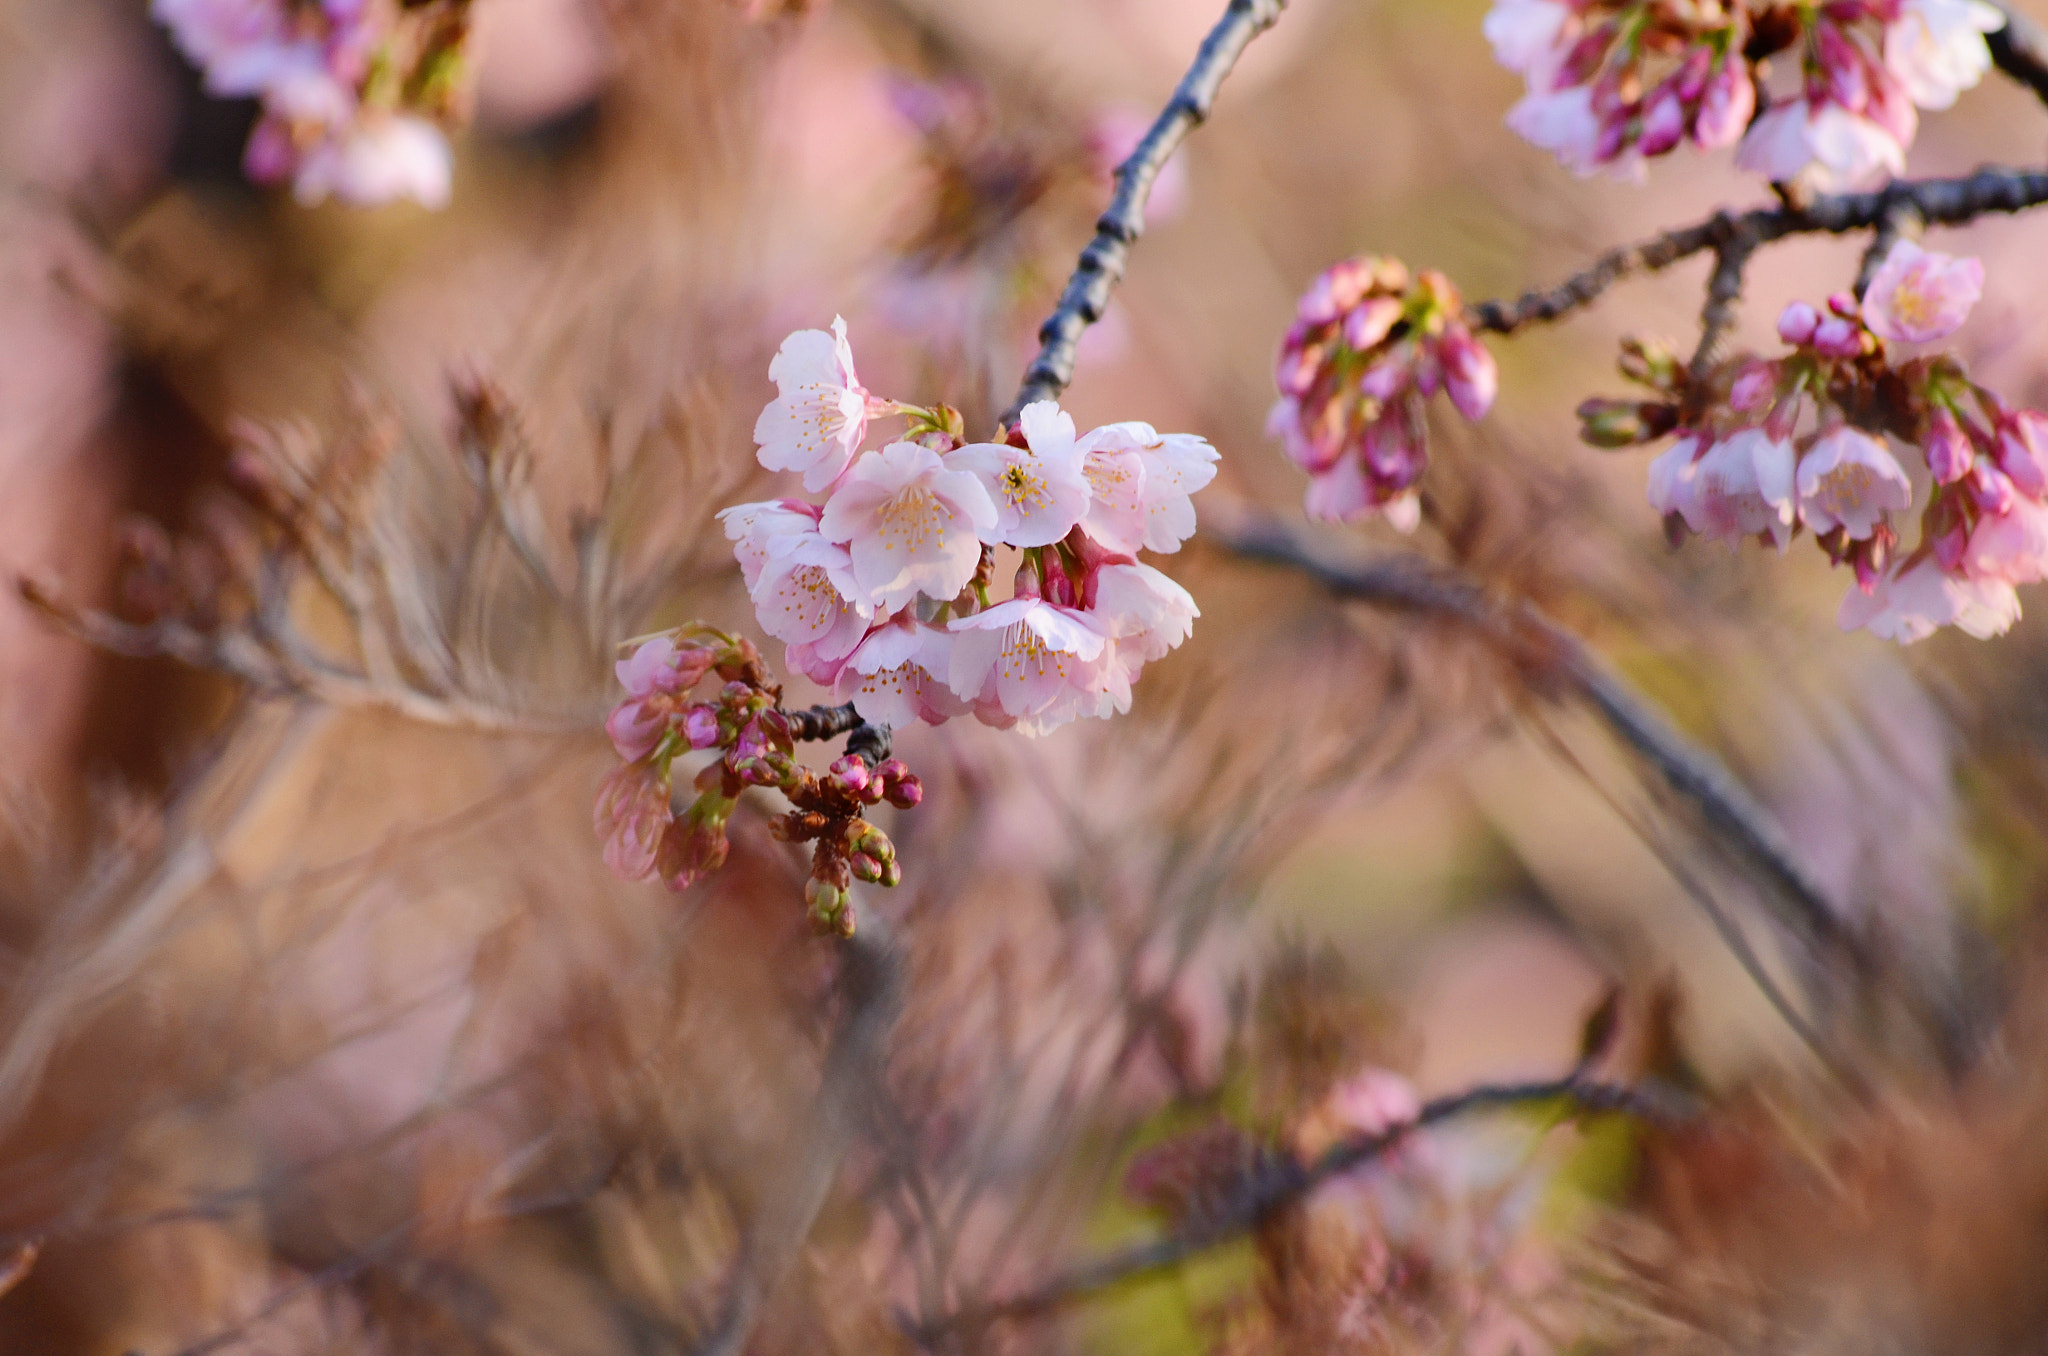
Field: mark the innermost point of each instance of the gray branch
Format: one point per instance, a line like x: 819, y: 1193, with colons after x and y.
x: 1102, y: 263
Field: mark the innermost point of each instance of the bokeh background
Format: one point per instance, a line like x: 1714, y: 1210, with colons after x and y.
x: 322, y: 1028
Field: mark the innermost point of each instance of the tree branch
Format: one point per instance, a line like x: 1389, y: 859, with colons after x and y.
x: 2020, y: 49
x: 1102, y: 263
x: 1279, y: 1184
x: 1554, y: 660
x: 1939, y: 202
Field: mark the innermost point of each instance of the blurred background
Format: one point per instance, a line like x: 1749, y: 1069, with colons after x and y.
x: 323, y: 1029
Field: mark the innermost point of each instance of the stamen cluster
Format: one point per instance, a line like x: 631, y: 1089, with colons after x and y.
x: 1369, y: 347
x: 1613, y: 82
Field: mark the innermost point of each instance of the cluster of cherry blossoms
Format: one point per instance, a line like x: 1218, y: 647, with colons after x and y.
x: 881, y: 592
x: 1806, y: 440
x: 1613, y: 82
x: 881, y: 595
x: 353, y: 92
x: 1368, y: 348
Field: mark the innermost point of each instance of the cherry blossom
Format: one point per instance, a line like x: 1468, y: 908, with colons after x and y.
x: 1175, y: 467
x: 1038, y: 663
x: 378, y: 159
x: 820, y: 413
x: 1741, y: 487
x: 1822, y: 143
x: 1145, y: 612
x: 1936, y: 47
x: 1847, y: 480
x: 763, y: 530
x: 911, y: 525
x: 1915, y: 603
x: 899, y: 675
x: 1531, y: 37
x: 805, y: 596
x: 1917, y: 296
x: 631, y: 815
x: 1039, y: 490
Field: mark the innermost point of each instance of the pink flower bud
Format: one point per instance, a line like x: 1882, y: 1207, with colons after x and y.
x: 1726, y: 106
x: 1385, y: 379
x: 1663, y: 122
x: 1336, y: 290
x: 631, y: 814
x: 2021, y: 436
x: 1691, y: 79
x: 1754, y: 387
x: 1298, y: 366
x: 1844, y: 304
x: 700, y: 727
x: 1949, y: 454
x: 1470, y: 374
x: 1370, y: 322
x: 851, y: 773
x: 1797, y: 322
x: 1838, y: 338
x: 1990, y: 489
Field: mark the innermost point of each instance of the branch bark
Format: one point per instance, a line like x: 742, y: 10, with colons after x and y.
x: 2020, y: 50
x: 1101, y: 265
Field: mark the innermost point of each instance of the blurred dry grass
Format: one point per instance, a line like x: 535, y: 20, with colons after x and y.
x: 322, y: 1029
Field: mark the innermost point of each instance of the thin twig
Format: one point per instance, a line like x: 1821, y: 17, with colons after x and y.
x: 1102, y: 263
x: 1279, y: 1183
x: 2020, y: 49
x: 871, y: 989
x: 1724, y: 291
x: 1940, y: 202
x: 1901, y: 222
x: 1554, y: 659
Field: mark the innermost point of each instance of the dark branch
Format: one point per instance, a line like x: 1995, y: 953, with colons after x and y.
x: 1281, y: 1183
x: 1939, y: 202
x: 1724, y: 292
x: 1554, y: 660
x: 822, y: 722
x: 2020, y: 49
x: 1102, y: 262
x: 1901, y: 222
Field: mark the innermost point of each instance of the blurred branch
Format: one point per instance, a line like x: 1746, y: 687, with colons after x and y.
x: 274, y: 667
x: 1724, y: 291
x: 1280, y: 1183
x: 871, y: 990
x: 1552, y: 659
x: 1939, y: 202
x: 1102, y: 263
x: 2020, y: 49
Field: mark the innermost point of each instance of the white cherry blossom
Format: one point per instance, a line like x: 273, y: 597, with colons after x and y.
x: 760, y: 531
x: 1176, y: 466
x: 820, y: 413
x: 1824, y: 144
x: 807, y: 596
x: 899, y: 675
x: 1910, y: 606
x: 911, y: 525
x: 1741, y: 487
x: 1144, y: 611
x: 1936, y: 48
x: 1037, y: 663
x: 1039, y: 491
x: 1848, y: 480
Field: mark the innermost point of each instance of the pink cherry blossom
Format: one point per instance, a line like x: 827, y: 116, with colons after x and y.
x: 807, y: 596
x: 1917, y: 295
x: 899, y: 675
x: 2022, y: 450
x: 1039, y: 490
x: 656, y: 676
x: 1144, y: 611
x: 820, y: 413
x: 380, y: 158
x: 1740, y: 487
x: 1936, y: 49
x: 1531, y: 37
x: 911, y: 525
x: 1176, y: 466
x: 763, y: 530
x: 1848, y: 480
x: 2011, y: 545
x: 1039, y: 664
x: 1562, y: 123
x: 1822, y: 143
x: 632, y: 812
x: 1912, y: 605
x: 1116, y: 516
x: 1673, y: 477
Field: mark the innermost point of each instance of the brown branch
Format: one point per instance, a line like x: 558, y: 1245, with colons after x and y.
x: 1939, y: 202
x: 1102, y: 263
x: 2020, y: 49
x: 1554, y: 660
x: 1724, y: 292
x: 1279, y: 1183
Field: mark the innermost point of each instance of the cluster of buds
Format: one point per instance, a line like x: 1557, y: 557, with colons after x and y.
x: 1805, y: 441
x: 1370, y: 345
x: 1612, y: 82
x: 355, y: 93
x: 847, y: 848
x: 754, y: 741
x: 882, y: 591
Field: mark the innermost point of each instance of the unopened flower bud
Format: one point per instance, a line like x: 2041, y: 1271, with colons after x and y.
x: 1613, y: 423
x: 701, y: 727
x: 1336, y: 290
x: 1725, y: 105
x: 1470, y: 374
x: 1844, y: 304
x: 1754, y: 388
x: 1371, y: 321
x: 1949, y: 453
x: 1992, y: 491
x: 1838, y: 338
x: 2023, y: 450
x: 905, y: 792
x: 864, y: 868
x: 1797, y: 322
x: 851, y: 773
x: 1663, y: 122
x: 1649, y: 363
